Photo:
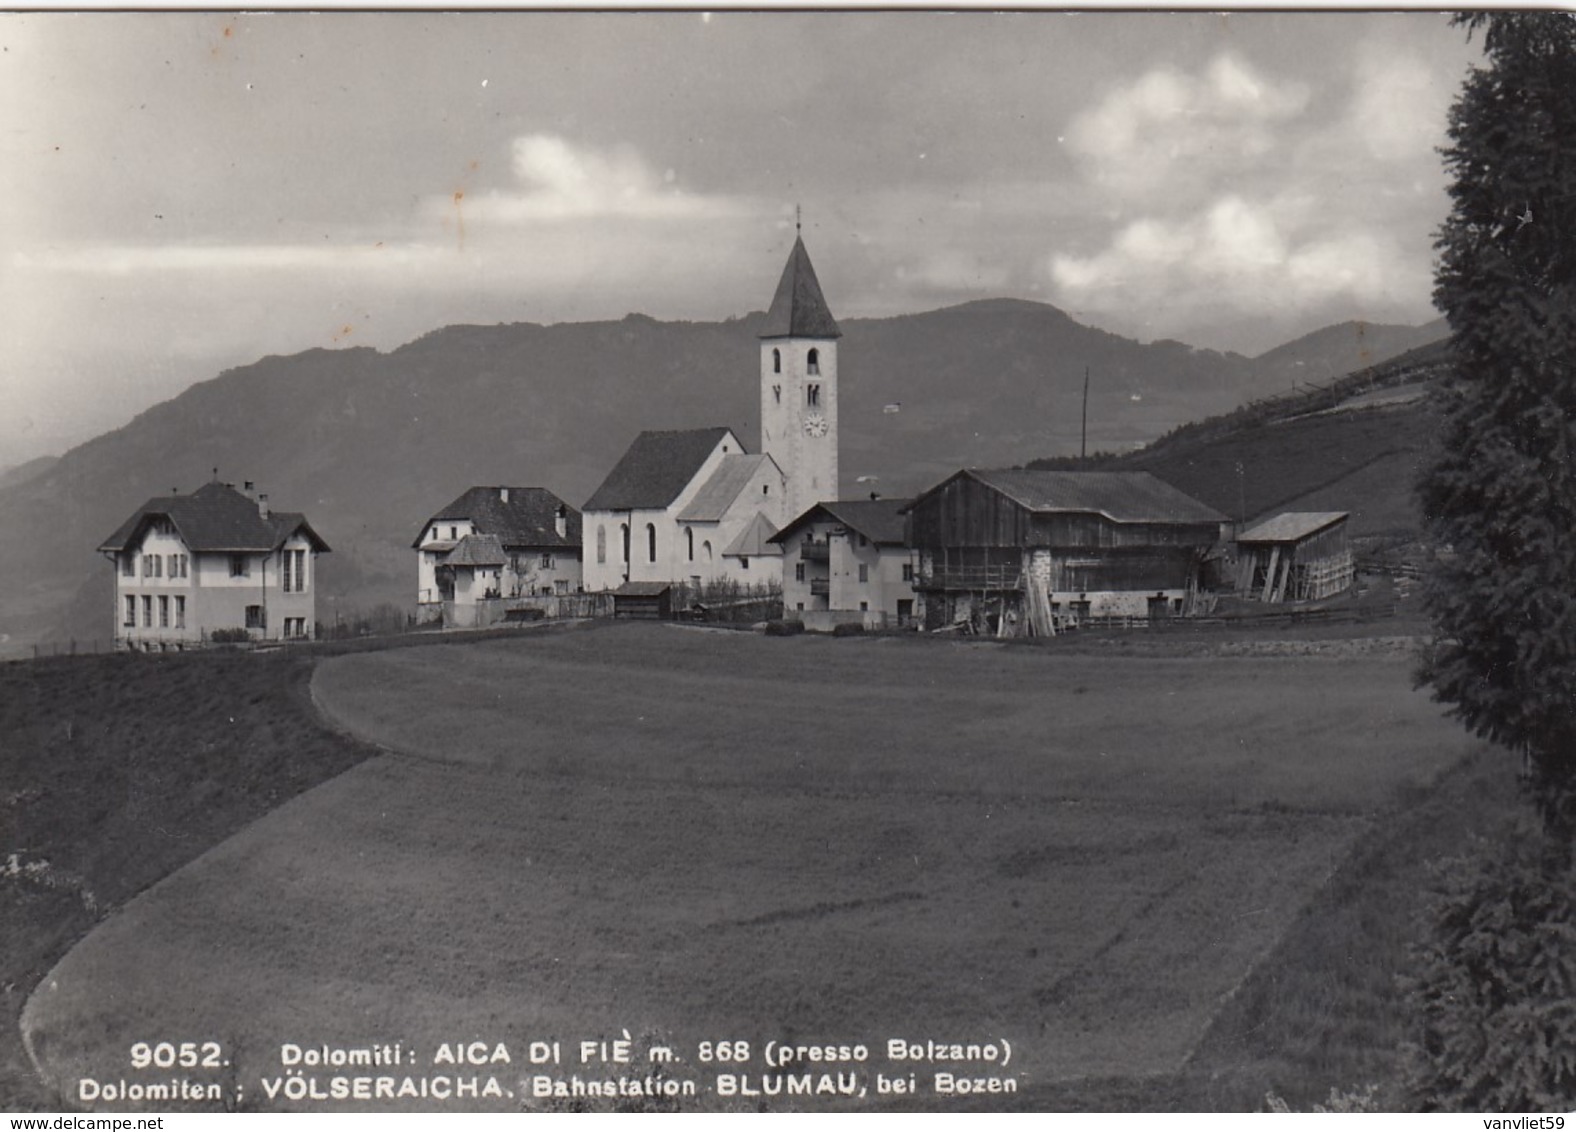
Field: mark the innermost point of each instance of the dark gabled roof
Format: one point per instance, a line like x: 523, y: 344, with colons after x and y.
x: 476, y: 550
x: 654, y: 471
x: 529, y: 518
x: 642, y: 589
x: 798, y: 309
x: 215, y: 517
x: 1122, y: 497
x: 1292, y: 526
x: 879, y: 520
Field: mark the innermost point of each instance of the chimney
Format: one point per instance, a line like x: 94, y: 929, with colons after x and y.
x: 503, y: 495
x: 262, y: 505
x: 249, y: 487
x: 561, y: 521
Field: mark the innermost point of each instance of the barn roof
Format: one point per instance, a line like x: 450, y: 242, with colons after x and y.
x: 476, y: 550
x: 215, y: 517
x: 655, y: 469
x: 529, y: 517
x: 1292, y: 526
x: 799, y: 309
x: 754, y: 540
x: 879, y: 520
x: 643, y: 589
x: 714, y: 498
x: 1122, y: 497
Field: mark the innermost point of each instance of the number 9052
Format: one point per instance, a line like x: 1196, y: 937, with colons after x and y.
x: 170, y: 1055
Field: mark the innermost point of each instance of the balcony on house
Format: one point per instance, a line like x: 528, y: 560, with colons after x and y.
x: 820, y: 587
x: 815, y: 551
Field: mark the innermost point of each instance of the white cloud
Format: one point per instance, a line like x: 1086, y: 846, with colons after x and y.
x: 1168, y: 127
x: 559, y: 180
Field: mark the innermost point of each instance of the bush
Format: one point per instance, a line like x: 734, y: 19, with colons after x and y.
x: 784, y: 628
x: 848, y: 629
x: 1495, y: 984
x: 229, y: 636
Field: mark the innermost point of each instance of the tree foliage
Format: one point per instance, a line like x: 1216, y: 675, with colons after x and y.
x: 1500, y: 499
x: 1495, y: 986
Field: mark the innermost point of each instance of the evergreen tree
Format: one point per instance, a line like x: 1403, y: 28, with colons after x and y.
x: 1500, y: 499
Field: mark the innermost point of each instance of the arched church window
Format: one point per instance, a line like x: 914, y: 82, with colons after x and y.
x: 623, y: 530
x: 812, y: 364
x: 689, y: 542
x: 777, y: 360
x: 777, y: 394
x: 601, y: 544
x: 705, y: 548
x: 651, y: 542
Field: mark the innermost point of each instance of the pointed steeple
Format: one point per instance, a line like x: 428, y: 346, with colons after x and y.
x: 798, y: 309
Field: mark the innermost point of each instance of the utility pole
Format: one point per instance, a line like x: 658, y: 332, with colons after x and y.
x: 1083, y: 440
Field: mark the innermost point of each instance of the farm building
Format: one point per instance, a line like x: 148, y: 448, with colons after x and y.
x: 847, y: 561
x: 1040, y: 550
x: 1296, y: 556
x: 494, y: 546
x: 218, y: 559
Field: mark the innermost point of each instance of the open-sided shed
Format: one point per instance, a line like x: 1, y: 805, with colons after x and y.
x: 1296, y: 556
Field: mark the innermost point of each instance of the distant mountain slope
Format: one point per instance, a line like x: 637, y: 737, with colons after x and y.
x: 369, y: 444
x: 19, y: 473
x: 1356, y: 446
x: 1343, y: 349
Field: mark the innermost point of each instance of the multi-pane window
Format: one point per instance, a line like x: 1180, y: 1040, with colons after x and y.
x: 180, y: 611
x: 131, y: 612
x: 240, y: 566
x: 908, y: 571
x: 147, y: 611
x: 864, y: 572
x: 164, y: 611
x: 128, y: 565
x: 547, y: 561
x: 254, y: 617
x: 798, y: 571
x: 294, y: 571
x: 295, y: 627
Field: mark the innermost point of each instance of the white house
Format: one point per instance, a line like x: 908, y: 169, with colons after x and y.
x: 217, y: 559
x: 848, y: 561
x: 497, y: 542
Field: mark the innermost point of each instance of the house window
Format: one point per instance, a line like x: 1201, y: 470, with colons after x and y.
x: 908, y: 571
x: 295, y: 627
x: 560, y: 585
x: 651, y: 542
x: 185, y: 565
x: 164, y: 611
x: 255, y: 618
x: 864, y: 572
x: 239, y: 566
x: 147, y: 611
x: 864, y: 607
x: 434, y: 534
x: 798, y: 571
x: 175, y: 565
x: 298, y: 558
x: 744, y: 562
x: 777, y: 365
x: 131, y: 612
x: 180, y: 611
x: 812, y: 394
x: 799, y: 606
x: 812, y: 363
x: 601, y: 545
x: 766, y: 489
x: 128, y: 565
x: 454, y: 533
x: 547, y: 561
x: 689, y: 542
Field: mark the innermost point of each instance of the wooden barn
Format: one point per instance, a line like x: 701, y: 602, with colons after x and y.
x: 644, y: 601
x: 1296, y: 556
x: 1037, y: 551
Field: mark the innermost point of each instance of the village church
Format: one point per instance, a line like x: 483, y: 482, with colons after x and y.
x: 694, y: 505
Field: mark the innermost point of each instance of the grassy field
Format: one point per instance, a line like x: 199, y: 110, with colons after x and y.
x: 703, y: 834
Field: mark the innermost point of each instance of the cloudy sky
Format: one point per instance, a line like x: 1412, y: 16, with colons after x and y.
x: 184, y: 192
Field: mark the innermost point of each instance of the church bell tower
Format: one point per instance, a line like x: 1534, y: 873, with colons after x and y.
x: 799, y: 393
